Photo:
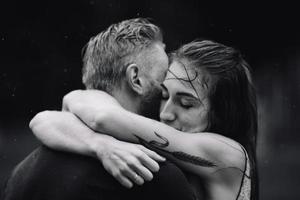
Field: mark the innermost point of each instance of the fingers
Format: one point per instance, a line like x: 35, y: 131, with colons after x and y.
x: 152, y: 154
x: 133, y: 164
x: 142, y: 171
x: 133, y: 176
x: 130, y: 172
x: 123, y: 173
x: 123, y: 180
x: 148, y: 161
x: 138, y: 167
x: 116, y: 173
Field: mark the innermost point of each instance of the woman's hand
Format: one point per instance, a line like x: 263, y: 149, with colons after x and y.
x: 127, y: 162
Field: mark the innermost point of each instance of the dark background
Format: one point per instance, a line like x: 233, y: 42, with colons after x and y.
x: 40, y: 51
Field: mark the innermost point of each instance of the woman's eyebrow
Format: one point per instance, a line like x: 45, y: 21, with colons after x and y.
x: 187, y: 95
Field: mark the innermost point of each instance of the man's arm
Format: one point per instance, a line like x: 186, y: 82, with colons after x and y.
x: 125, y: 161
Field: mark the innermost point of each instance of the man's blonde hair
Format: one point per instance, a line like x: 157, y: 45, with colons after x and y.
x: 108, y: 54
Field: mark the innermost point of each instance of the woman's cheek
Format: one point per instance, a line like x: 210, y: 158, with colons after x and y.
x: 195, y: 123
x: 187, y: 124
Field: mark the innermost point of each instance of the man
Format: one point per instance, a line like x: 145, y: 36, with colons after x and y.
x: 129, y: 62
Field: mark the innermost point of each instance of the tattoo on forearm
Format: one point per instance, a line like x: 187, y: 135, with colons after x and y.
x: 196, y: 160
x: 182, y: 156
x: 163, y: 144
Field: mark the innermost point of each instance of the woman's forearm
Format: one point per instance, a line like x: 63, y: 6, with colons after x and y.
x: 200, y: 153
x: 64, y: 131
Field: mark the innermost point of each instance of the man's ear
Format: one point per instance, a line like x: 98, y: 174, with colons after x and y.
x: 134, y: 79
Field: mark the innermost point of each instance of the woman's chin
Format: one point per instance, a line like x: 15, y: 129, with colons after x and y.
x: 191, y: 130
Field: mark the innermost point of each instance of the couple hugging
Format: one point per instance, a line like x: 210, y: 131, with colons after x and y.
x: 148, y: 126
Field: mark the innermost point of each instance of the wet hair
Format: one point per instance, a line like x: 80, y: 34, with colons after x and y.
x: 107, y: 55
x: 233, y: 111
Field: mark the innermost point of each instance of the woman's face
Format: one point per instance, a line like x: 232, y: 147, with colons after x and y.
x: 185, y: 104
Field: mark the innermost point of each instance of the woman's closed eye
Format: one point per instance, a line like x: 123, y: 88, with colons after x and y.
x: 187, y: 103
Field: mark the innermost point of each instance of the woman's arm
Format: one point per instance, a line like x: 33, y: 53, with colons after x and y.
x: 64, y: 131
x: 58, y: 130
x: 207, y: 154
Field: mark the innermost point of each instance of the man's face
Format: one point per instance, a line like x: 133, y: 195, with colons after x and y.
x: 156, y: 62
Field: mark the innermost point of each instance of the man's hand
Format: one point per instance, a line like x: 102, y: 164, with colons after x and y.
x: 128, y: 163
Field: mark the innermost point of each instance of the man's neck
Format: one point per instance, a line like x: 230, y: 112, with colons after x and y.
x: 127, y: 101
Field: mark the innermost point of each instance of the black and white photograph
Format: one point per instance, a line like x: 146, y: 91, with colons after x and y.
x: 151, y: 100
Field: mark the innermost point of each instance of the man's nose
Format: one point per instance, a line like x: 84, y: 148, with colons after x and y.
x: 167, y: 114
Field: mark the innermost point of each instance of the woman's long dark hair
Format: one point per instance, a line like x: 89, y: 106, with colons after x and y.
x: 233, y: 111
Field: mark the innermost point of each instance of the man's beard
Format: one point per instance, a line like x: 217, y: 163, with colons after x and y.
x: 150, y: 103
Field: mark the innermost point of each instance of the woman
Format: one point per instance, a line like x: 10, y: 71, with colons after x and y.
x: 209, y: 119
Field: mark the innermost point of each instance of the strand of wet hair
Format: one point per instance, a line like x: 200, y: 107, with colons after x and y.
x: 242, y: 151
x: 224, y: 168
x: 177, y: 78
x: 244, y: 172
x: 189, y: 80
x: 227, y: 144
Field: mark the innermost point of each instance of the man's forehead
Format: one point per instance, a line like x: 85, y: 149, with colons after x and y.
x: 160, y: 57
x: 155, y: 50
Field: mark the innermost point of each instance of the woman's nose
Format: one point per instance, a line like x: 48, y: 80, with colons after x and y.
x: 167, y: 114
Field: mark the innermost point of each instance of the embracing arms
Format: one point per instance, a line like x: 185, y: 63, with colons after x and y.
x: 64, y: 131
x: 205, y: 154
x: 211, y: 156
